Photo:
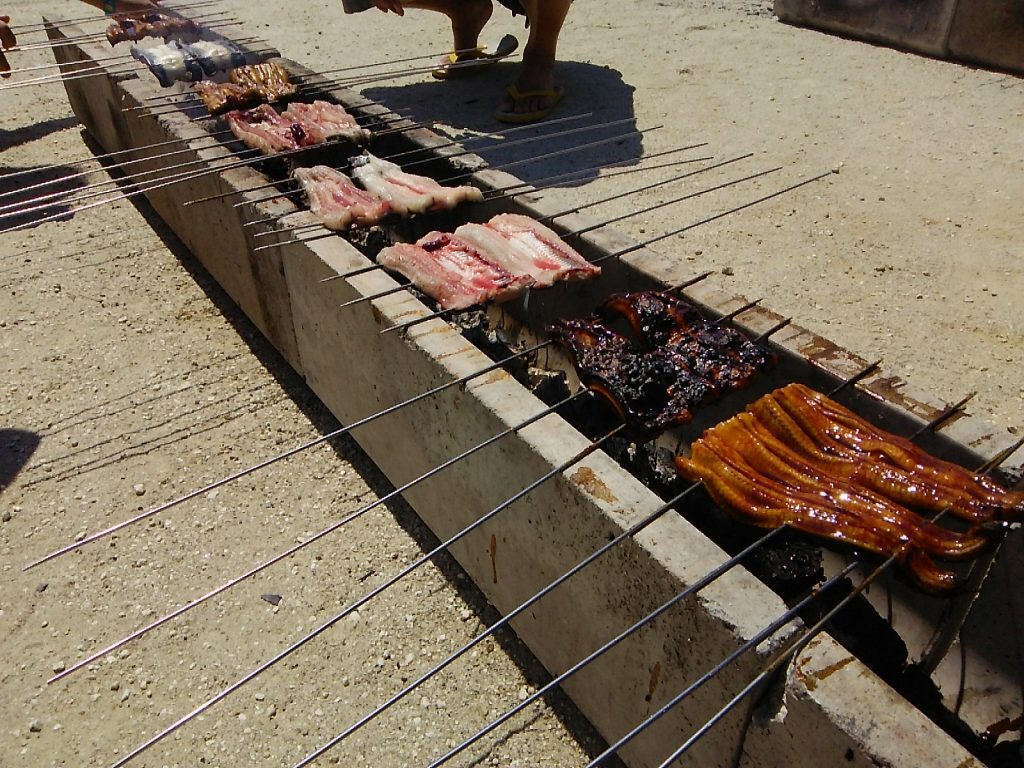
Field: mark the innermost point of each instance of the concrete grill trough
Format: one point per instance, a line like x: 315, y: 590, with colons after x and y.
x: 828, y: 709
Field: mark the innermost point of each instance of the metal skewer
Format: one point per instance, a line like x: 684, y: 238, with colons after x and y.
x: 503, y: 166
x: 392, y: 157
x: 782, y: 657
x: 299, y: 79
x: 503, y: 43
x: 404, y: 287
x: 628, y: 533
x: 65, y: 197
x: 99, y: 36
x: 107, y: 71
x: 316, y: 224
x: 538, y: 185
x: 717, y: 216
x: 315, y: 537
x: 779, y: 623
x: 443, y: 546
x: 139, y: 188
x: 505, y: 49
x: 104, y: 156
x: 274, y: 459
x: 25, y: 28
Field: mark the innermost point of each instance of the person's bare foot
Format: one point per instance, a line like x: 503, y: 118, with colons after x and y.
x: 531, y: 78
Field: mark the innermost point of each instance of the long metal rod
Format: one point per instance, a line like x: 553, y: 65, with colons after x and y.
x: 707, y: 579
x: 723, y: 214
x: 79, y: 40
x: 102, y: 71
x: 396, y: 74
x: 160, y: 184
x: 633, y: 530
x: 407, y: 286
x: 503, y: 166
x: 781, y: 658
x: 539, y: 185
x: 535, y: 187
x: 315, y: 537
x: 496, y: 134
x: 423, y: 57
x: 278, y: 457
x: 776, y: 625
x: 104, y: 156
x: 406, y: 325
x: 75, y: 195
x: 300, y: 79
x: 42, y: 26
x: 120, y: 165
x: 578, y: 457
x: 99, y: 36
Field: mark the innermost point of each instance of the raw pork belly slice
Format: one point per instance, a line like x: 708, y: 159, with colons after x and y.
x: 452, y: 271
x: 338, y: 203
x: 324, y: 121
x: 264, y: 129
x: 408, y: 193
x: 553, y: 257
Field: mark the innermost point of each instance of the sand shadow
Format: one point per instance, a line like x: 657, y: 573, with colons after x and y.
x: 468, y: 105
x: 37, y: 195
x: 34, y: 132
x: 16, y: 448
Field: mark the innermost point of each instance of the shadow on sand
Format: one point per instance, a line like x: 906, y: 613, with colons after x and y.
x: 597, y: 95
x: 16, y: 448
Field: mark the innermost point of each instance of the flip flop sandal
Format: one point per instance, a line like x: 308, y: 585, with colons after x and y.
x: 472, y: 62
x: 511, y: 116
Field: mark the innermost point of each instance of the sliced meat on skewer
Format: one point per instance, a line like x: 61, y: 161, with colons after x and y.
x: 795, y: 457
x: 548, y: 248
x: 269, y: 79
x: 169, y: 63
x: 221, y: 97
x: 262, y: 128
x: 153, y: 24
x: 649, y: 390
x: 518, y: 257
x: 408, y: 193
x: 324, y: 121
x: 248, y: 85
x: 452, y: 271
x: 216, y: 57
x: 336, y: 201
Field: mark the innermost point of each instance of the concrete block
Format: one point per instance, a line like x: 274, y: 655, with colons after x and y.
x: 990, y: 33
x: 916, y: 25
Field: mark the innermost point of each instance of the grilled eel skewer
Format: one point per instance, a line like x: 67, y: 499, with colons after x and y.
x: 797, y: 458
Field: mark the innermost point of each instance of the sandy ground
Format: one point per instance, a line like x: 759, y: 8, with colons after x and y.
x: 128, y: 378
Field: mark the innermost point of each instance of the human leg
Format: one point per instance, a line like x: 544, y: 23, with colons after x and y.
x: 537, y: 74
x: 468, y: 18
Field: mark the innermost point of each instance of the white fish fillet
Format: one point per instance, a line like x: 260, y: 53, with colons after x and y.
x: 337, y: 202
x: 550, y: 252
x: 451, y: 271
x: 408, y: 193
